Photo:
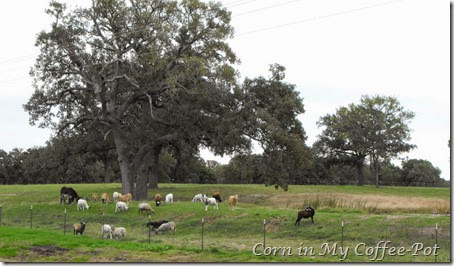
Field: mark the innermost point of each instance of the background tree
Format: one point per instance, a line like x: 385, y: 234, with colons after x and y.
x: 377, y: 127
x: 420, y: 173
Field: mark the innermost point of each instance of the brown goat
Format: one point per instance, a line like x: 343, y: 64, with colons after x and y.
x: 105, y: 198
x: 232, y: 201
x: 79, y: 228
x: 157, y: 198
x: 125, y: 198
x: 306, y: 213
x: 94, y: 197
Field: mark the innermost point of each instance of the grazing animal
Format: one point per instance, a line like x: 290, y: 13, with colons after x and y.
x: 119, y: 232
x: 125, y: 198
x: 306, y: 213
x: 169, y: 198
x: 82, y: 205
x: 79, y: 228
x: 107, y: 230
x: 199, y: 198
x: 94, y: 197
x: 115, y: 196
x: 68, y: 193
x: 156, y: 225
x: 217, y: 196
x: 211, y: 201
x: 167, y: 227
x: 145, y: 207
x: 105, y: 198
x: 157, y: 199
x: 233, y: 200
x: 121, y: 206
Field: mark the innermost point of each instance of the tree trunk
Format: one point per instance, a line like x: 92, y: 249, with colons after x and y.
x: 377, y: 180
x: 153, y: 178
x: 359, y: 167
x: 141, y: 191
x: 124, y: 162
x: 105, y: 161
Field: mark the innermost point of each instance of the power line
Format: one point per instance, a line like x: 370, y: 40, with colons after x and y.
x: 268, y: 7
x: 319, y: 17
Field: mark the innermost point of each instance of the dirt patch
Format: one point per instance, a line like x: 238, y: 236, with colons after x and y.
x: 244, y: 214
x: 370, y: 201
x: 48, y: 250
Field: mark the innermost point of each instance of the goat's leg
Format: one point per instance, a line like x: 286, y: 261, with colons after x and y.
x: 312, y: 218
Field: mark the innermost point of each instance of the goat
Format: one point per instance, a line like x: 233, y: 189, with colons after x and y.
x: 306, y: 213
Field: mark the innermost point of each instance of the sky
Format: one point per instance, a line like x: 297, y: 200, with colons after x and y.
x: 334, y: 52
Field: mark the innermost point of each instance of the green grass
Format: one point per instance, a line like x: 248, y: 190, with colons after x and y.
x: 229, y: 235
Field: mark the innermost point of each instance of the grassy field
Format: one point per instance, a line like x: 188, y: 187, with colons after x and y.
x: 403, y: 215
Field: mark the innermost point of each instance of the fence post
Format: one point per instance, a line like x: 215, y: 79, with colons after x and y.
x: 342, y: 236
x: 102, y: 225
x: 64, y: 224
x: 203, y: 222
x: 31, y: 216
x: 436, y: 240
x: 264, y: 233
x: 1, y: 210
x: 149, y: 229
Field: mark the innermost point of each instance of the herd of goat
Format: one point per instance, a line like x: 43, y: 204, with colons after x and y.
x: 122, y: 201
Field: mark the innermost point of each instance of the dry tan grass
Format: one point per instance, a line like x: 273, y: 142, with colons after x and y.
x: 374, y: 203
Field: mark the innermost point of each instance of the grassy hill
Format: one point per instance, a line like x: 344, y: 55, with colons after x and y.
x: 403, y: 215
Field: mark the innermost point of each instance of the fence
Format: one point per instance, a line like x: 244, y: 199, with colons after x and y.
x: 41, y: 217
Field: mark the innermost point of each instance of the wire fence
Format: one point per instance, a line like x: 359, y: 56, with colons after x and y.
x: 206, y: 233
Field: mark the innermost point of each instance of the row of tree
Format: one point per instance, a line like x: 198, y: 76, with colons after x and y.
x: 57, y: 163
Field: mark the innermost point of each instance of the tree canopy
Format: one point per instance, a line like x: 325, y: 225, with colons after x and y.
x: 159, y: 74
x: 377, y: 127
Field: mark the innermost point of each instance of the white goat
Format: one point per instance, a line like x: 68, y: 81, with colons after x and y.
x: 199, y: 198
x: 210, y: 201
x: 167, y: 227
x: 121, y: 206
x: 115, y: 196
x: 145, y: 207
x: 169, y: 198
x: 82, y: 205
x: 119, y: 232
x: 107, y: 230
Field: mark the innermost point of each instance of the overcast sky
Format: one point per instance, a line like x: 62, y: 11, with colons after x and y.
x: 334, y: 51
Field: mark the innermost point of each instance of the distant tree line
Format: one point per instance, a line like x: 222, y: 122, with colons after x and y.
x: 59, y: 163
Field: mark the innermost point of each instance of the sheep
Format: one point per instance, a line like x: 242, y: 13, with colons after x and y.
x: 115, y: 196
x: 157, y: 199
x: 105, y: 198
x: 169, y: 198
x: 125, y: 198
x: 94, y: 197
x: 82, y: 205
x: 233, y: 201
x: 79, y: 228
x: 107, y: 230
x: 156, y: 225
x: 145, y: 207
x: 119, y: 232
x: 217, y: 196
x: 121, y: 206
x: 166, y: 227
x: 199, y: 198
x: 306, y: 213
x: 210, y: 201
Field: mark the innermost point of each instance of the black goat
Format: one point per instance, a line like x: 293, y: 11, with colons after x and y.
x: 217, y: 196
x: 156, y: 225
x: 70, y: 193
x: 306, y: 213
